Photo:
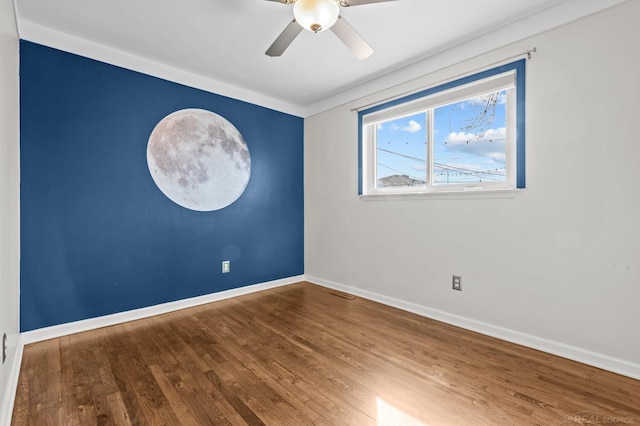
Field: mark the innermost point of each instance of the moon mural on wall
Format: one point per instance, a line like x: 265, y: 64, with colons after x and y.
x: 198, y: 159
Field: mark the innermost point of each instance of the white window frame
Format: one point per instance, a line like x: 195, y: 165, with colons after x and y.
x: 508, y: 77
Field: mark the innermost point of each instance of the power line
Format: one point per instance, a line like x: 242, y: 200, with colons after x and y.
x: 473, y: 141
x: 487, y: 174
x: 462, y: 170
x: 403, y: 155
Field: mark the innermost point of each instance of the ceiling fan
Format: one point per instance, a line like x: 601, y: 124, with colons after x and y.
x: 321, y: 15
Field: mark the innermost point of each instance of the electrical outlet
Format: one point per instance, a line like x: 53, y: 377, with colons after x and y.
x: 4, y: 347
x: 226, y: 266
x: 456, y: 283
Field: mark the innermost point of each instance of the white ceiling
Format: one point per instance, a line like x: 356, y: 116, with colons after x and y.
x: 224, y: 40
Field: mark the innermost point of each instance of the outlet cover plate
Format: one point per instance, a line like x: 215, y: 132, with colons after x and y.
x: 226, y: 266
x: 456, y: 282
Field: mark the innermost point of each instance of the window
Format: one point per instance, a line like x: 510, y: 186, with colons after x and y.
x: 463, y: 135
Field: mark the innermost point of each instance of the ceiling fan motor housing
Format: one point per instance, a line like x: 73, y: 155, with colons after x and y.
x: 316, y: 15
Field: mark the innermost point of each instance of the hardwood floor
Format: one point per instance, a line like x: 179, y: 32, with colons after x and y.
x: 299, y: 355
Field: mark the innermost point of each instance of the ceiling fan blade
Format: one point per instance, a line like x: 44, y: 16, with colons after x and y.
x: 285, y: 38
x: 283, y: 1
x: 347, y: 3
x: 351, y: 38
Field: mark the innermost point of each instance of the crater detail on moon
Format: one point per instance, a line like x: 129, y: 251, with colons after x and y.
x: 198, y: 159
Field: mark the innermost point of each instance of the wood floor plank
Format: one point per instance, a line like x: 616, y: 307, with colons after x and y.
x: 69, y: 417
x: 300, y: 355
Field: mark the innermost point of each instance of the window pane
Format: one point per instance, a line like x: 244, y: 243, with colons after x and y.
x: 470, y: 140
x: 401, y: 152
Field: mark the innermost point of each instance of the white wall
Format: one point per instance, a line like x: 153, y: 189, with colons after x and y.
x: 9, y: 197
x: 558, y: 266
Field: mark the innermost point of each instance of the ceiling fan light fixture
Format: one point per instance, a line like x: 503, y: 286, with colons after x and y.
x: 316, y: 15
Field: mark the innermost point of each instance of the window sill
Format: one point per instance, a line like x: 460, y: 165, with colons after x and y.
x: 444, y: 195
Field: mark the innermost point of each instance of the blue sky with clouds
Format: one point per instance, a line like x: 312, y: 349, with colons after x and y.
x: 469, y: 142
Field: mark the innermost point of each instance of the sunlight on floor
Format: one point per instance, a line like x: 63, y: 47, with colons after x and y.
x: 388, y: 415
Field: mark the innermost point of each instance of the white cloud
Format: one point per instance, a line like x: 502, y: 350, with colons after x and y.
x: 498, y: 157
x: 490, y: 144
x: 491, y: 135
x: 413, y: 127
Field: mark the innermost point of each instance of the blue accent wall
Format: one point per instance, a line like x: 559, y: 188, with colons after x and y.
x: 97, y: 235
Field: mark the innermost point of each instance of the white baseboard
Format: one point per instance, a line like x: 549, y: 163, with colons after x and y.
x: 6, y: 405
x: 584, y: 356
x: 136, y: 314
